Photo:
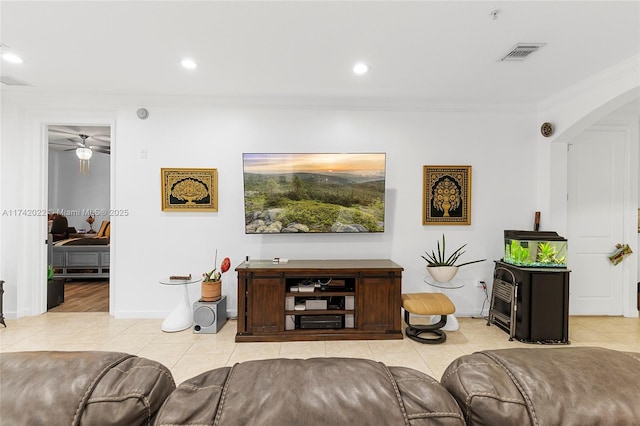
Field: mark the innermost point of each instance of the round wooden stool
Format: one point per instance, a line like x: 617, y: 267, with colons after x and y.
x: 427, y: 304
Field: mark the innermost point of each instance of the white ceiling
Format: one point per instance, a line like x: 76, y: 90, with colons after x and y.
x: 425, y: 51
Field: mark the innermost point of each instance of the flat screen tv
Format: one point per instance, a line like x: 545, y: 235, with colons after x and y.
x: 314, y: 193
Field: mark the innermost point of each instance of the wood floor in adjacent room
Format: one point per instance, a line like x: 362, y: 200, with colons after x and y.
x: 85, y: 296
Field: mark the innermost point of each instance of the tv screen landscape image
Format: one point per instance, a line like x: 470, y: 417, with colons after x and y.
x: 314, y: 193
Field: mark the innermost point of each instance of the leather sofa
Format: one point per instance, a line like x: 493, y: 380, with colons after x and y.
x: 81, y: 388
x: 547, y: 386
x: 316, y: 391
x: 520, y: 386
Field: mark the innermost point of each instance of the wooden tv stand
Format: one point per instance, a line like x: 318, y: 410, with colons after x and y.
x: 363, y: 300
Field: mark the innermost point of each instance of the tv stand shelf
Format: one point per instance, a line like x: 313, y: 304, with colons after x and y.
x: 319, y: 312
x: 362, y: 297
x: 321, y: 294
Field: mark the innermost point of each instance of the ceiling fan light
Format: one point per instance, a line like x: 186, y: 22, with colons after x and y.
x: 360, y: 68
x: 189, y: 64
x: 13, y: 58
x: 84, y: 153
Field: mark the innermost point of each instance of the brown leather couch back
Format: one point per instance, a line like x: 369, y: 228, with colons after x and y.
x: 81, y: 388
x: 317, y: 391
x: 547, y: 386
x: 520, y: 386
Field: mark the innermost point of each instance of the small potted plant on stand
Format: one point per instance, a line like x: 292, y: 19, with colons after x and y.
x: 443, y: 268
x: 212, y: 281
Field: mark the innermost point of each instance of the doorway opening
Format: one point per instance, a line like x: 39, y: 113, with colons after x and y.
x: 78, y: 206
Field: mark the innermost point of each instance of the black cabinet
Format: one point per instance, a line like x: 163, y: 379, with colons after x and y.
x: 1, y: 314
x: 531, y: 304
x: 55, y: 292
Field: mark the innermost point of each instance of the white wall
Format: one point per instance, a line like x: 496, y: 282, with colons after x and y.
x: 9, y: 198
x: 23, y: 198
x: 508, y: 160
x: 149, y: 244
x: 571, y: 112
x: 611, y: 96
x: 19, y: 168
x: 75, y: 194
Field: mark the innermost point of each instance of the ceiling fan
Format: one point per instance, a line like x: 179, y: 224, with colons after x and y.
x: 88, y: 137
x: 82, y: 144
x: 76, y: 139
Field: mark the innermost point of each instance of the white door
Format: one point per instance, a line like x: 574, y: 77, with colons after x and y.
x: 595, y: 215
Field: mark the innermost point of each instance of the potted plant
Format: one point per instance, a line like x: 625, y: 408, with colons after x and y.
x: 443, y: 268
x: 212, y: 280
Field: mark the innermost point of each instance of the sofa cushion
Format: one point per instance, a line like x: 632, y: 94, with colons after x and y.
x: 546, y: 386
x: 71, y: 388
x: 316, y: 391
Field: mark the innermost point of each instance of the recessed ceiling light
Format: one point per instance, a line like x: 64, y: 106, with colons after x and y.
x: 189, y: 64
x: 10, y: 57
x: 360, y: 68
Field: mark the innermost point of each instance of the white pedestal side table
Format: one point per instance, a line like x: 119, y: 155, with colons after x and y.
x: 452, y: 321
x: 181, y: 317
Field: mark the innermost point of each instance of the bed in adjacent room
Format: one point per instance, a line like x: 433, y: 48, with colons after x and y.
x: 81, y: 257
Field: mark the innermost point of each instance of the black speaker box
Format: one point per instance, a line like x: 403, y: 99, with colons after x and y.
x: 209, y: 317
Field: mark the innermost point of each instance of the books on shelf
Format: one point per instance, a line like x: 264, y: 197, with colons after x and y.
x: 180, y: 277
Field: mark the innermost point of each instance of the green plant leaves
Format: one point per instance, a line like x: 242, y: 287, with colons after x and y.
x: 441, y: 258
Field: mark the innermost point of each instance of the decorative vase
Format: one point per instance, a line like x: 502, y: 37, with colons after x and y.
x: 211, y: 291
x: 442, y: 274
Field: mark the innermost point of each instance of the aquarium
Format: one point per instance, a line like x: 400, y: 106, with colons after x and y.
x: 535, y: 249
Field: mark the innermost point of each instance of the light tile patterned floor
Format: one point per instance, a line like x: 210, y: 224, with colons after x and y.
x: 188, y: 354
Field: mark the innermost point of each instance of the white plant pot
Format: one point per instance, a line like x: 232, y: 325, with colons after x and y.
x: 442, y: 274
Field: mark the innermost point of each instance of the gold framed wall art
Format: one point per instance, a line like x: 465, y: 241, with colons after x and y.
x: 189, y: 189
x: 446, y: 195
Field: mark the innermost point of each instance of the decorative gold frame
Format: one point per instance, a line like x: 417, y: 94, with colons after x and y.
x: 446, y: 197
x: 189, y: 189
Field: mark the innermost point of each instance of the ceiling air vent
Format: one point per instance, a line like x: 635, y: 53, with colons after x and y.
x: 521, y: 51
x: 10, y: 81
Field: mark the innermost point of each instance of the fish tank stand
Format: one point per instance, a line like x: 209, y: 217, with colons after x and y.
x: 531, y: 304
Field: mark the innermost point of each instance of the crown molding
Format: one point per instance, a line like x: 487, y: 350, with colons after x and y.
x: 110, y: 101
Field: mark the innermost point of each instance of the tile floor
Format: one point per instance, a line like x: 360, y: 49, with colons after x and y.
x: 188, y: 354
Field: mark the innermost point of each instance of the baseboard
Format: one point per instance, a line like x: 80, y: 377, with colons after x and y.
x: 155, y: 314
